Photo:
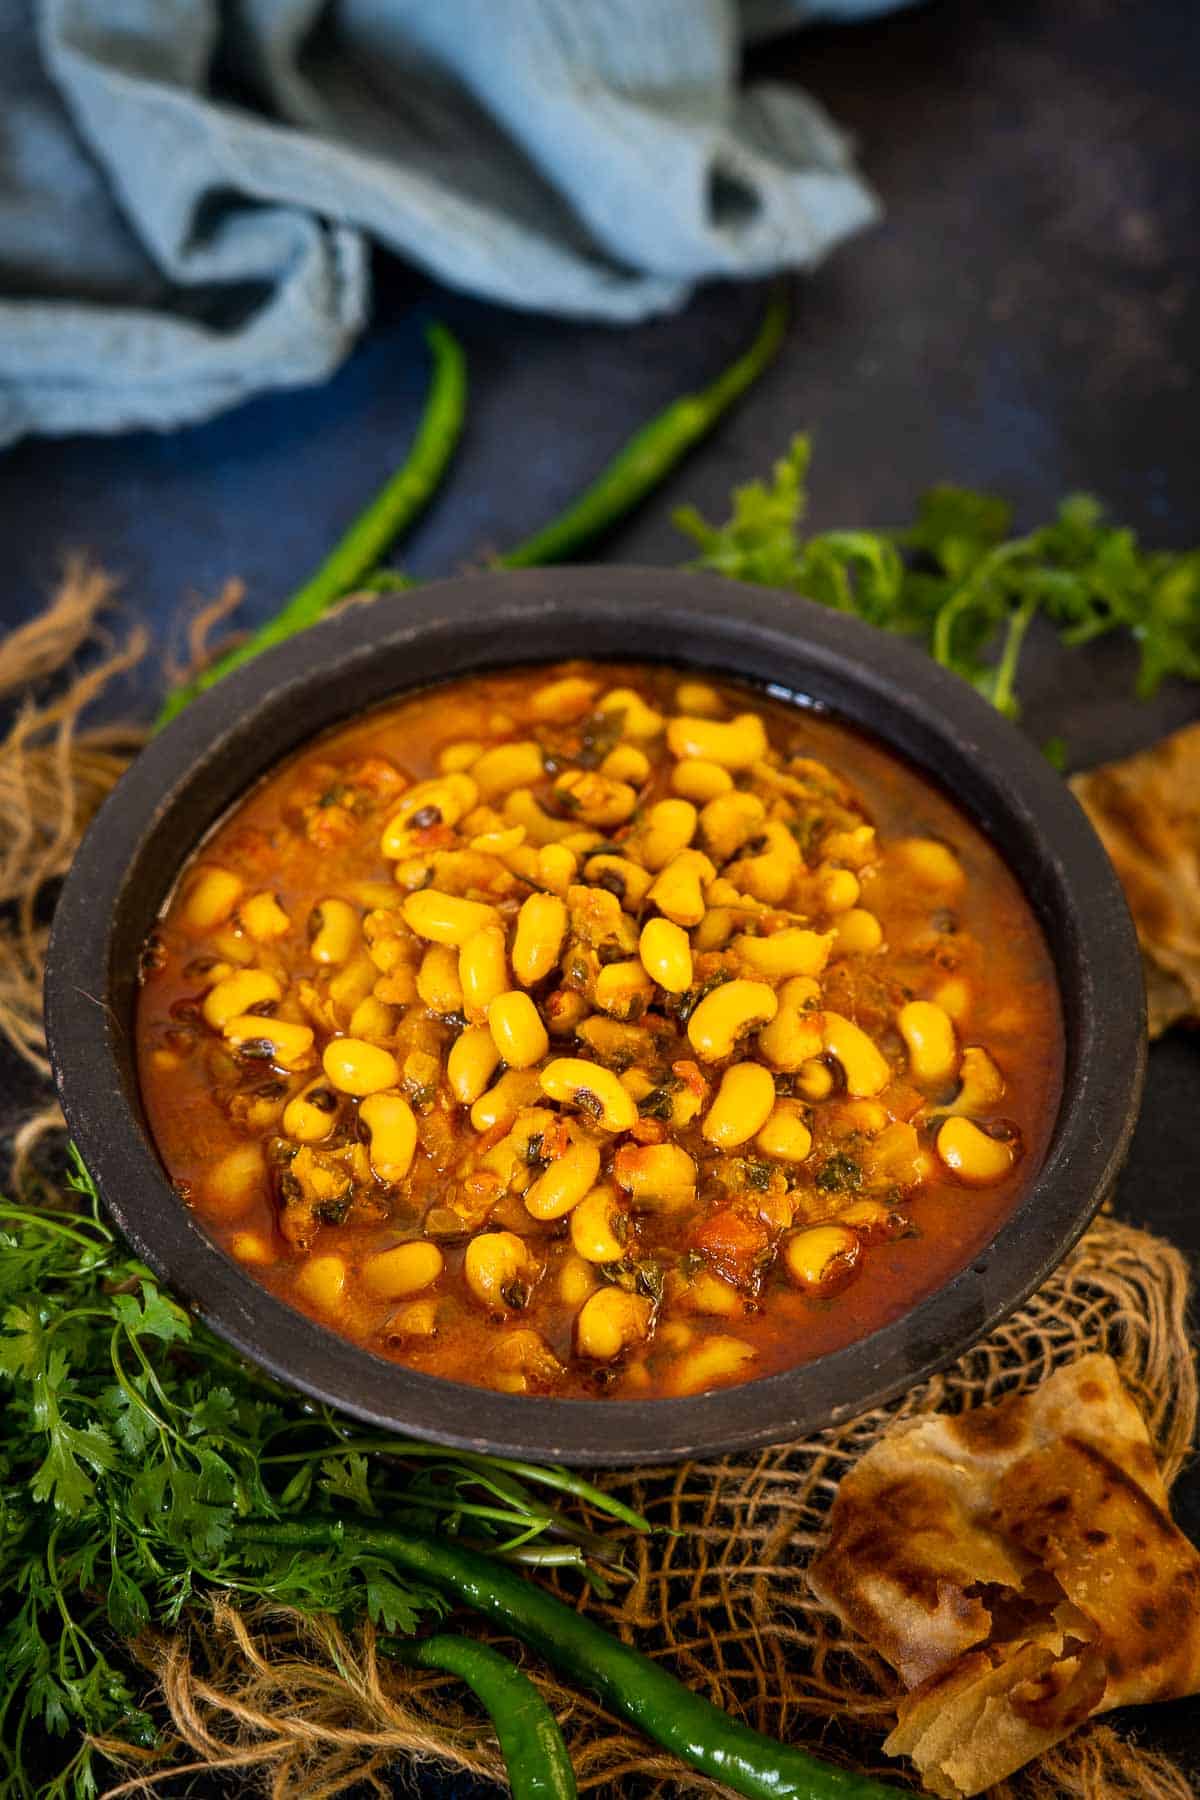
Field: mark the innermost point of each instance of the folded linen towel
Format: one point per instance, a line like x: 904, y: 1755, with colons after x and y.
x: 189, y: 187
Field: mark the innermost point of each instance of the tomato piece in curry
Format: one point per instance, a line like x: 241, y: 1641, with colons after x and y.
x: 599, y: 1030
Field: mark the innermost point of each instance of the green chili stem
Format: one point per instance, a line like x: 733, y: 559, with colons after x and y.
x: 394, y: 508
x: 530, y: 1741
x: 684, y: 1723
x: 650, y: 455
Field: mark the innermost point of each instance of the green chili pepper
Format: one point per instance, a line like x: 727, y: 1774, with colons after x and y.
x: 651, y: 454
x: 687, y: 1725
x: 646, y: 460
x: 534, y: 1753
x: 357, y: 555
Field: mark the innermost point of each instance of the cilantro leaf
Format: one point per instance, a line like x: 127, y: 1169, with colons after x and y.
x: 133, y: 1445
x: 149, y: 1313
x: 347, y: 1478
x: 958, y: 580
x: 62, y: 1478
x: 390, y: 1603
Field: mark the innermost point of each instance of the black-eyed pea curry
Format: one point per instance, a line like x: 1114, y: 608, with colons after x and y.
x: 599, y: 1030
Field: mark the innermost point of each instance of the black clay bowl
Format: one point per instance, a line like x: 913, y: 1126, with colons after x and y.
x: 194, y: 771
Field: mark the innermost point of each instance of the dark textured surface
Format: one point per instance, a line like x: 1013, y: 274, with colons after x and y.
x: 1028, y: 317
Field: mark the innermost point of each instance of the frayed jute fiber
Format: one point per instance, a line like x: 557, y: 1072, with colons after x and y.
x: 302, y: 1708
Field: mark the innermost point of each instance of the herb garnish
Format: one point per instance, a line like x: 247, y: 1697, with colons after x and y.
x: 958, y: 580
x: 137, y: 1454
x: 838, y: 1173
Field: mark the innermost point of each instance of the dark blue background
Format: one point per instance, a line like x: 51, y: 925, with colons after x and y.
x: 1027, y: 318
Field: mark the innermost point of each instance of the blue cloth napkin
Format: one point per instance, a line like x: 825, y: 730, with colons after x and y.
x: 188, y: 188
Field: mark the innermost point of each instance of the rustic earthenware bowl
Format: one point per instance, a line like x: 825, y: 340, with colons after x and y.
x: 194, y: 771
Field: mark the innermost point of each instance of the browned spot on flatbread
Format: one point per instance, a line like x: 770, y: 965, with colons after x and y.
x: 905, y: 1567
x: 1152, y: 1517
x: 1034, y: 1523
x: 1079, y: 1513
x: 991, y: 1428
x: 878, y: 1537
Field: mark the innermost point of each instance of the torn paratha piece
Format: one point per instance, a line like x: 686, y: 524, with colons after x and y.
x: 1017, y: 1566
x: 965, y: 1729
x: 1146, y: 811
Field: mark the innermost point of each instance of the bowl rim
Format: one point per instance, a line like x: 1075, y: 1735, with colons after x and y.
x: 228, y: 737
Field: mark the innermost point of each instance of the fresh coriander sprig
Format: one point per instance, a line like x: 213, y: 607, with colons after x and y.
x: 958, y: 580
x: 136, y: 1451
x: 133, y: 1483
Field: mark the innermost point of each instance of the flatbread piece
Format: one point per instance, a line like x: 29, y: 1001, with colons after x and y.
x: 1146, y: 811
x: 1018, y: 1568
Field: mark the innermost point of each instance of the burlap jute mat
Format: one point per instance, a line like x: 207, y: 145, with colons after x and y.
x: 297, y: 1708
